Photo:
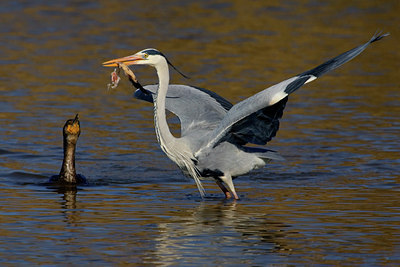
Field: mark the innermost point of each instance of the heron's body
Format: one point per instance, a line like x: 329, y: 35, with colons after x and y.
x: 214, y: 133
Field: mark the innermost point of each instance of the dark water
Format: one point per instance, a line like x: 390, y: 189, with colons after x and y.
x: 335, y: 201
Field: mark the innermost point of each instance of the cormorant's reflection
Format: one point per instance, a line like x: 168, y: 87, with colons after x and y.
x: 68, y: 197
x: 69, y: 204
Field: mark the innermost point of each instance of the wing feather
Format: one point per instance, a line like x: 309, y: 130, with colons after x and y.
x: 198, y: 109
x: 256, y: 119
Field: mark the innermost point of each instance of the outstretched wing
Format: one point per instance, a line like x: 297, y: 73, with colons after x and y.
x: 197, y: 108
x: 257, y: 128
x: 256, y: 119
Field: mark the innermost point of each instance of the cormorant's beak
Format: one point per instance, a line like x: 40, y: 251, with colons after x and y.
x: 129, y: 60
x: 73, y: 128
x: 76, y: 118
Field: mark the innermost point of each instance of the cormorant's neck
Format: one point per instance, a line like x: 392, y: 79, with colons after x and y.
x: 68, y: 173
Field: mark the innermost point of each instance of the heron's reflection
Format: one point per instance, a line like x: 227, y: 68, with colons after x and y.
x: 216, y: 228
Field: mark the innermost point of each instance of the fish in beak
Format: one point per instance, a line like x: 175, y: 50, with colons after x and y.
x: 123, y: 63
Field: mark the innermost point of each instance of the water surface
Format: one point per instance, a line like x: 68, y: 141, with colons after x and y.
x: 334, y: 201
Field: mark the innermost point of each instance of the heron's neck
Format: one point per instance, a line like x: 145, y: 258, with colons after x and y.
x: 164, y: 136
x: 175, y: 149
x: 68, y: 173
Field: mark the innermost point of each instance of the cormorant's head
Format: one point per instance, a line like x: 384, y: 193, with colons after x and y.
x: 72, y: 130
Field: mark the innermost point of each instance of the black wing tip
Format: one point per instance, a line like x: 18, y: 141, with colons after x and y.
x: 296, y: 84
x: 343, y: 58
x: 378, y: 36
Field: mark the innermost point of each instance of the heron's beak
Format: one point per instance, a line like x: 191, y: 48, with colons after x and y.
x: 129, y: 60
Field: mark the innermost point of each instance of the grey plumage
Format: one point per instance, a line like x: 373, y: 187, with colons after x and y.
x: 195, y: 107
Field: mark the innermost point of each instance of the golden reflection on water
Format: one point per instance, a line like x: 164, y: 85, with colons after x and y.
x: 327, y: 221
x: 333, y: 202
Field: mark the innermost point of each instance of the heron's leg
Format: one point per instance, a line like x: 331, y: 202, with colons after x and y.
x: 223, y: 188
x: 227, y: 179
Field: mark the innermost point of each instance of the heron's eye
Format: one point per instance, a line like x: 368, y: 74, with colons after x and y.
x: 145, y: 55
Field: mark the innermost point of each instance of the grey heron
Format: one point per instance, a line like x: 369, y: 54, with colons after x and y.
x: 214, y: 133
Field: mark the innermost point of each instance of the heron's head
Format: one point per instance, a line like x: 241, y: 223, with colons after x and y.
x: 149, y: 56
x: 72, y: 130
